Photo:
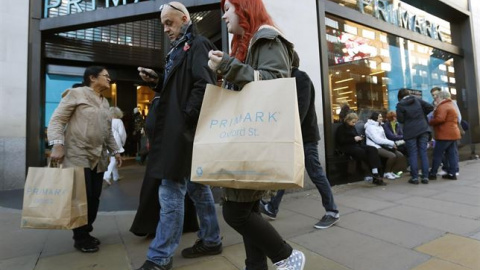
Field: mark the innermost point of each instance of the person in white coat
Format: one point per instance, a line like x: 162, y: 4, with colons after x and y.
x: 118, y: 130
x: 386, y: 148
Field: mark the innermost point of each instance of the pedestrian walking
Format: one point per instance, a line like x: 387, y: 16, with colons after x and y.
x: 80, y: 131
x: 170, y: 127
x: 120, y: 135
x: 258, y: 50
x: 310, y: 136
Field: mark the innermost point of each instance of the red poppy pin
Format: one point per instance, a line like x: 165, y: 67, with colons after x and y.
x: 186, y: 47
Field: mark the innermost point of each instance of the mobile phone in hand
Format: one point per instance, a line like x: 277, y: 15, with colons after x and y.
x: 149, y: 74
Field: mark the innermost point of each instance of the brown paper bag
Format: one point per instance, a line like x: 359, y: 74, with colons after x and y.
x: 54, y: 198
x: 250, y: 139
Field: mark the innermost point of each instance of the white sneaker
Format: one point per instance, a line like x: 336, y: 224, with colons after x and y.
x: 296, y: 261
x: 389, y: 176
x: 441, y: 173
x: 368, y: 179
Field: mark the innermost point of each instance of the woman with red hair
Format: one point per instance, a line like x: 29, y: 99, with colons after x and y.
x: 259, y: 52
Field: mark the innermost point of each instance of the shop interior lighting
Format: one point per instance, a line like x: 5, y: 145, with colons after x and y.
x: 340, y: 88
x: 346, y: 80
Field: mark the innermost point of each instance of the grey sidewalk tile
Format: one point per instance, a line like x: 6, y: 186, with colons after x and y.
x: 389, y: 195
x: 212, y: 263
x: 431, y: 219
x: 358, y: 251
x: 293, y: 224
x: 363, y: 204
x: 18, y: 242
x: 19, y: 263
x: 415, y: 190
x: 109, y: 257
x: 467, y: 190
x: 442, y: 206
x: 310, y: 207
x: 473, y: 200
x: 476, y: 236
x: 391, y: 230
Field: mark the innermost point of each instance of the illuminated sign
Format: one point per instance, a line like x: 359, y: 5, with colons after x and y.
x: 400, y: 17
x: 77, y: 5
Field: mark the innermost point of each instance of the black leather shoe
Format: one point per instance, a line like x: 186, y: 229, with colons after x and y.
x: 148, y: 265
x: 94, y: 240
x: 432, y: 177
x: 85, y: 246
x: 413, y: 181
x: 200, y: 249
x: 425, y: 181
x: 449, y: 176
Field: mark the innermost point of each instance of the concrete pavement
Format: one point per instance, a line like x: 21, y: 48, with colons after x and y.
x: 396, y: 227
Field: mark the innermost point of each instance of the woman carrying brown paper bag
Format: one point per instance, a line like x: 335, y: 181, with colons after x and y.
x: 80, y: 132
x: 259, y: 52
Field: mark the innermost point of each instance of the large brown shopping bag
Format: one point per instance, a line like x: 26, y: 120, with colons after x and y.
x: 250, y: 139
x: 54, y: 198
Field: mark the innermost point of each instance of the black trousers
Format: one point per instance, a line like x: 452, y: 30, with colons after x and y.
x: 364, y: 153
x: 93, y: 186
x: 261, y: 240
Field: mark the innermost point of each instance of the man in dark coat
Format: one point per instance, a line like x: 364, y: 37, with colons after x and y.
x: 310, y: 136
x: 170, y: 127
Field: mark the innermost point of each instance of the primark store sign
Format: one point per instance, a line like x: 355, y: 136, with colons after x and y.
x: 400, y: 16
x: 55, y: 8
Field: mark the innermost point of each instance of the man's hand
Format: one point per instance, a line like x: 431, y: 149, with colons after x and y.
x: 215, y: 59
x: 118, y: 158
x: 58, y: 153
x: 148, y: 75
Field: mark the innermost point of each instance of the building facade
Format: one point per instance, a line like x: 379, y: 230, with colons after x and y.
x: 359, y: 53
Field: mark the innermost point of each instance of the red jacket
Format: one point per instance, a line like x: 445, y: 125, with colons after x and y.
x: 445, y: 121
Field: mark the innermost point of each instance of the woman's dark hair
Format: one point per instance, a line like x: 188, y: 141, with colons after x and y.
x: 295, y: 60
x: 403, y: 93
x: 91, y: 71
x: 374, y: 116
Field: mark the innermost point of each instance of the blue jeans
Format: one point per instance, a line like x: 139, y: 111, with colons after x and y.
x: 446, y: 163
x: 169, y: 229
x: 418, y: 146
x: 318, y: 177
x: 449, y: 148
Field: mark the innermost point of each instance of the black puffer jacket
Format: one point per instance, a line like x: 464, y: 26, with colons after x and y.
x: 306, y: 106
x: 412, y: 112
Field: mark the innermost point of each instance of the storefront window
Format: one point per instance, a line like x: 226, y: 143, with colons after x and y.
x: 368, y: 67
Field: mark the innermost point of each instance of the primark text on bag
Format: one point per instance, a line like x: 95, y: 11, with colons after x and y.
x: 54, y: 198
x: 250, y: 139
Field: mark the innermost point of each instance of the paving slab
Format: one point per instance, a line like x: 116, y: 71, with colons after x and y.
x: 391, y: 230
x: 109, y: 257
x: 431, y: 219
x: 20, y: 263
x: 455, y: 249
x: 436, y: 264
x: 364, y: 204
x: 473, y: 200
x: 381, y: 254
x: 311, y: 207
x: 18, y: 242
x: 441, y: 206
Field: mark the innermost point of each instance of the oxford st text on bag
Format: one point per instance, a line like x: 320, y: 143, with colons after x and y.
x: 54, y: 198
x: 250, y: 139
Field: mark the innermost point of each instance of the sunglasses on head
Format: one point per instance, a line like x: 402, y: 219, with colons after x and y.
x: 170, y: 5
